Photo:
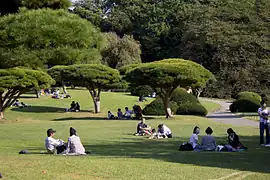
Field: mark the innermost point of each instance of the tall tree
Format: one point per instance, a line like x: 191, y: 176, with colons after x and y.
x: 166, y: 75
x: 16, y: 81
x: 121, y: 51
x: 44, y: 36
x: 94, y: 77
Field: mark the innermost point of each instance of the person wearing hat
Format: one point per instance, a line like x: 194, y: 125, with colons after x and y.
x: 74, y: 145
x: 54, y: 146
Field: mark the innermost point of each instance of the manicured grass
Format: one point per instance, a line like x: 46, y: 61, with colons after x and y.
x: 117, y: 154
x: 210, y: 106
x: 249, y: 115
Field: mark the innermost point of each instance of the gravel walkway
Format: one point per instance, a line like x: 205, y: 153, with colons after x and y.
x: 224, y: 115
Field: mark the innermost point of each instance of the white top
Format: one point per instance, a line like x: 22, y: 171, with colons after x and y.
x: 75, y: 146
x: 51, y: 143
x: 166, y: 131
x: 128, y: 113
x: 260, y: 111
x: 193, y: 140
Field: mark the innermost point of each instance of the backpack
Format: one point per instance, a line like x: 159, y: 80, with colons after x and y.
x: 185, y: 147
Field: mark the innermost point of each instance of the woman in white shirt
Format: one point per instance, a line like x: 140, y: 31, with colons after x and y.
x: 194, y: 137
x: 164, y: 131
x: 74, y: 145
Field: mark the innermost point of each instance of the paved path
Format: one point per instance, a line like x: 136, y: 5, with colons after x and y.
x: 224, y: 115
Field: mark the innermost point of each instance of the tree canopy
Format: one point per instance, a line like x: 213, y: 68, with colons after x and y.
x: 95, y: 77
x: 15, y: 81
x: 44, y: 36
x: 53, y: 4
x: 229, y: 38
x: 121, y: 51
x: 166, y: 75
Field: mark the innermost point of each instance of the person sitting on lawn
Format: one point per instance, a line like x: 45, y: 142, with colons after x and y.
x: 127, y: 114
x: 137, y: 111
x: 142, y: 98
x: 77, y: 107
x: 164, y: 131
x: 194, y: 137
x: 143, y: 129
x: 208, y: 141
x: 233, y: 140
x: 17, y: 103
x: 119, y: 114
x: 110, y: 115
x: 54, y: 146
x: 72, y: 107
x: 74, y: 145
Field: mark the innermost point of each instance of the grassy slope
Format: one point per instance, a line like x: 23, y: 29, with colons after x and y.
x: 116, y: 153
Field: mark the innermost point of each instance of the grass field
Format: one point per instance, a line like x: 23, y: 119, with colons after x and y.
x: 117, y: 154
x: 249, y: 115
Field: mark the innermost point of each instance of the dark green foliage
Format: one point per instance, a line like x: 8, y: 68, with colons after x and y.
x: 156, y: 108
x: 248, y: 95
x: 246, y: 102
x: 15, y: 81
x: 180, y: 96
x: 191, y: 109
x: 36, y: 37
x: 53, y: 4
x: 120, y: 51
x: 166, y: 75
x: 182, y: 103
x: 144, y: 90
x: 245, y: 105
x: 95, y: 77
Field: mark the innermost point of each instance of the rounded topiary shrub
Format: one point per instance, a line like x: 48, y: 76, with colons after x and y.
x: 248, y: 95
x: 141, y: 90
x: 191, y: 109
x: 245, y: 105
x: 156, y: 108
x: 180, y: 96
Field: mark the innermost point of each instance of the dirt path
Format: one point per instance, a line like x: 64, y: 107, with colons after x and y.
x: 224, y: 115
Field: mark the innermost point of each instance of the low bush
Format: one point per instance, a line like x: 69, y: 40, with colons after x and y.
x: 191, y: 109
x: 245, y: 105
x: 156, y: 108
x: 180, y: 96
x: 141, y: 90
x: 248, y: 95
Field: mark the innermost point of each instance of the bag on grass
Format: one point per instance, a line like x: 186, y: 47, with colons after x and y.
x: 185, y: 147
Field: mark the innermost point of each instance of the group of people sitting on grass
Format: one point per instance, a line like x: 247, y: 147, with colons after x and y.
x: 162, y: 131
x: 19, y: 104
x: 55, y: 93
x: 74, y: 107
x: 58, y: 146
x: 136, y: 113
x: 208, y: 142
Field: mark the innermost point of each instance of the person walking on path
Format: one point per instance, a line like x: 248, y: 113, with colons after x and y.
x: 264, y: 123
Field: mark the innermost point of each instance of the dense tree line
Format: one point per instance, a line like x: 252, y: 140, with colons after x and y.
x: 229, y: 38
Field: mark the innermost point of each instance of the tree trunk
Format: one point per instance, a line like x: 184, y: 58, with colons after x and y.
x: 37, y: 93
x: 97, y: 105
x: 166, y: 107
x: 64, y: 88
x: 1, y: 115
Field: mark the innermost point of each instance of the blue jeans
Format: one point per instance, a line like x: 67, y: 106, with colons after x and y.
x: 265, y: 127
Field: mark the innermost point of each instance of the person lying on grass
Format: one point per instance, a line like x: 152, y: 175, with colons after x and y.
x: 164, y: 131
x: 54, y: 146
x: 208, y: 141
x: 143, y: 129
x: 74, y: 145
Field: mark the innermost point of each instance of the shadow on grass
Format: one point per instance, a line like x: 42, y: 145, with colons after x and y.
x: 42, y: 109
x: 96, y: 118
x: 254, y: 159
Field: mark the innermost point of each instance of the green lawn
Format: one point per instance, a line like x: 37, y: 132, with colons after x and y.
x: 117, y: 154
x: 249, y: 115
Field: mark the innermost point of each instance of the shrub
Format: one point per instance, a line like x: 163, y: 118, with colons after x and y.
x: 141, y: 90
x: 156, y: 108
x: 191, y: 109
x: 180, y: 96
x: 248, y: 95
x: 245, y: 105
